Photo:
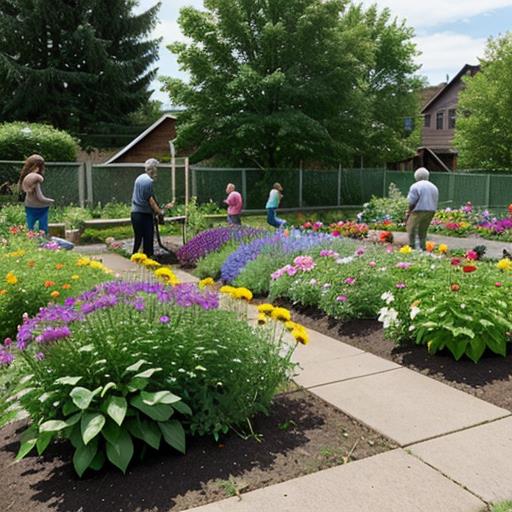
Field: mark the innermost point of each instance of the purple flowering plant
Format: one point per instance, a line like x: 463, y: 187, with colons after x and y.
x: 129, y: 364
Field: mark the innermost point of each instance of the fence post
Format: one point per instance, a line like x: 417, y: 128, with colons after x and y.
x: 187, y: 192
x: 173, y: 178
x: 488, y: 191
x: 384, y: 183
x: 338, y: 201
x: 88, y: 176
x: 301, y: 181
x: 194, y: 182
x: 244, y: 186
x: 81, y: 185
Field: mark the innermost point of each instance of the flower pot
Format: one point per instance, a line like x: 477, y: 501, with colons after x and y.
x: 73, y: 235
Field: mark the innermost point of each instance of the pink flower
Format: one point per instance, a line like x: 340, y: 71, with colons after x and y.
x: 291, y: 270
x: 350, y: 281
x: 389, y: 249
x: 400, y: 286
x: 342, y: 298
x: 498, y: 284
x: 360, y: 251
x: 336, y: 233
x: 404, y: 265
x: 7, y: 342
x: 472, y: 255
x: 372, y: 264
x: 304, y: 263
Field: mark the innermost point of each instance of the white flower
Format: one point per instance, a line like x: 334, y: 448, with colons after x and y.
x: 388, y: 297
x: 463, y: 306
x: 388, y: 317
x: 345, y: 261
x: 411, y: 328
x: 414, y: 312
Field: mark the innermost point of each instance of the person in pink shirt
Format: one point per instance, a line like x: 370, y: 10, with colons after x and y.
x: 235, y: 204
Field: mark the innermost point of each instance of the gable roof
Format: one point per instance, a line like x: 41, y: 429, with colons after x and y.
x: 467, y: 67
x: 143, y: 135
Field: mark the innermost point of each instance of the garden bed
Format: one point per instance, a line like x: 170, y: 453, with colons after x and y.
x: 490, y: 379
x: 302, y: 435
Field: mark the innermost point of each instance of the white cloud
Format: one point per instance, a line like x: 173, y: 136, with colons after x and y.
x: 169, y: 31
x: 435, y: 12
x: 446, y: 52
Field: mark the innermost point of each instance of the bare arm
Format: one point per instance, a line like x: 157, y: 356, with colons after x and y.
x: 40, y: 196
x: 155, y: 206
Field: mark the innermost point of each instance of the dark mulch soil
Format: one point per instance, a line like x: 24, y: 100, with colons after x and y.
x: 490, y: 379
x: 302, y: 435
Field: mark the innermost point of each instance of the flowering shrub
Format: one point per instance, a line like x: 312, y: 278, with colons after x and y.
x: 211, y: 264
x: 32, y: 276
x: 385, y: 211
x: 466, y: 309
x: 212, y: 240
x: 347, y: 229
x: 126, y: 366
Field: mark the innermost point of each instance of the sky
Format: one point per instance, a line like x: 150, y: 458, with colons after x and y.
x: 449, y: 33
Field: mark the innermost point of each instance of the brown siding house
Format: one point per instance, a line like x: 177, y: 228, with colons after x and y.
x: 152, y: 143
x: 439, y: 115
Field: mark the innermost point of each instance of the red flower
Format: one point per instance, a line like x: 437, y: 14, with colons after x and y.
x: 498, y: 284
x: 468, y: 268
x: 455, y: 287
x: 456, y: 261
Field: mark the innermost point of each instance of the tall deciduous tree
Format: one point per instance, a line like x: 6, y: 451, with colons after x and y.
x: 74, y: 62
x: 484, y: 125
x: 273, y: 82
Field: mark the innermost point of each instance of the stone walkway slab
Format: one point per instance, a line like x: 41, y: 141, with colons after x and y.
x: 334, y: 370
x: 408, y: 407
x: 479, y: 458
x: 389, y: 482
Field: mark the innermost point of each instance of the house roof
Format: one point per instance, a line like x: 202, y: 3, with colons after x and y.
x: 467, y: 67
x: 143, y: 135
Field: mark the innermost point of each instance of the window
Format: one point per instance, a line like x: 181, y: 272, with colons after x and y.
x: 451, y: 118
x: 426, y: 121
x: 440, y: 120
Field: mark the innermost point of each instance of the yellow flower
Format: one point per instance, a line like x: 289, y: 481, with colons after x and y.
x: 75, y: 277
x: 281, y: 314
x: 149, y: 263
x: 55, y: 294
x: 443, y: 248
x: 167, y: 276
x: 16, y: 254
x: 83, y: 262
x: 243, y: 294
x: 228, y: 290
x: 265, y: 308
x: 301, y: 336
x: 207, y: 281
x: 504, y: 264
x: 262, y: 319
x: 11, y: 278
x: 290, y: 326
x: 138, y: 257
x: 97, y: 265
x: 406, y: 249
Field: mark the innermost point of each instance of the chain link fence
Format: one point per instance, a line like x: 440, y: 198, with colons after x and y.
x: 81, y: 184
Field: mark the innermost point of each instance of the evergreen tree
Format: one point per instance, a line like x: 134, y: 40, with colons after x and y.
x: 74, y: 63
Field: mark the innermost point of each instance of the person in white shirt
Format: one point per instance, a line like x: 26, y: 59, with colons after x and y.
x: 423, y: 198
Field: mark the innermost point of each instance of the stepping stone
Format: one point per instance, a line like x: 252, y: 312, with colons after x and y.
x: 333, y: 370
x: 408, y: 407
x: 390, y: 482
x: 479, y: 458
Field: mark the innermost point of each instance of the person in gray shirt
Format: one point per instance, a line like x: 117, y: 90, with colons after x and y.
x: 144, y: 207
x: 422, y: 198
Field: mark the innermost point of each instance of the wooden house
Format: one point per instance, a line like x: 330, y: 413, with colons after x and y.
x: 152, y: 143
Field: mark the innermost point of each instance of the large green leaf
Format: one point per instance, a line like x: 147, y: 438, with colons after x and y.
x: 174, y: 434
x: 183, y: 408
x: 159, y: 397
x: 121, y: 452
x: 53, y: 426
x: 134, y: 426
x: 111, y: 431
x: 83, y: 457
x: 135, y: 367
x: 43, y: 441
x: 28, y: 441
x: 457, y: 347
x: 116, y: 408
x: 158, y: 412
x: 82, y: 397
x: 98, y: 461
x: 107, y: 387
x: 91, y: 425
x: 68, y: 381
x: 151, y: 434
x: 475, y: 349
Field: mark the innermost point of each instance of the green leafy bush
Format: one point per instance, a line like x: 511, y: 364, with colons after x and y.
x: 20, y: 140
x: 211, y: 264
x: 391, y: 208
x: 141, y: 370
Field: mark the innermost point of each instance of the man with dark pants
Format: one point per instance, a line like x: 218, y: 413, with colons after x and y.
x: 423, y: 198
x: 144, y: 207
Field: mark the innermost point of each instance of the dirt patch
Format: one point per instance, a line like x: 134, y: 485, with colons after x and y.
x: 302, y: 435
x: 490, y: 379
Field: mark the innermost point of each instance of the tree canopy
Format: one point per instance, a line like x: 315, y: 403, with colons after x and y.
x: 75, y: 63
x: 484, y: 127
x: 273, y: 82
